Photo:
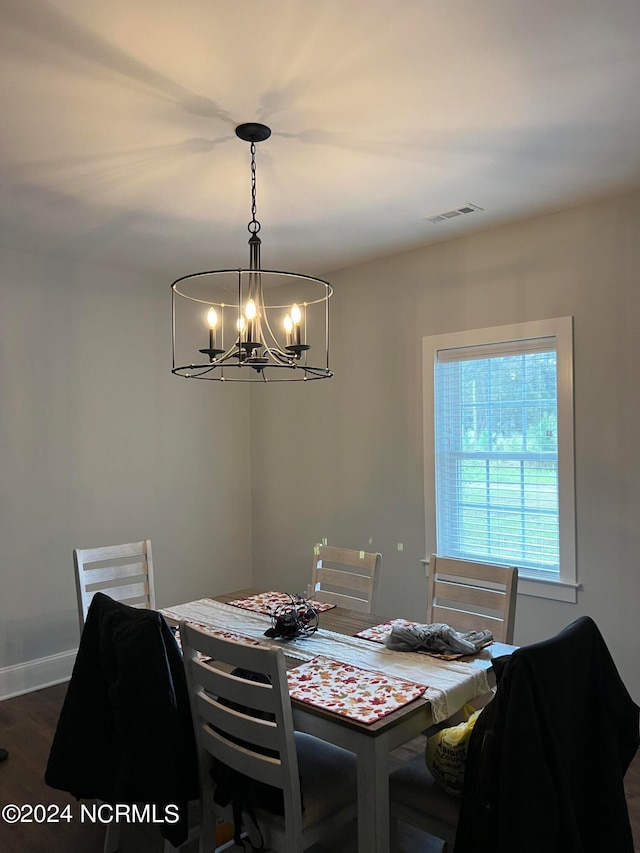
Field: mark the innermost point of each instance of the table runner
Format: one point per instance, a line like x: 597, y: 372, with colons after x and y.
x: 450, y: 683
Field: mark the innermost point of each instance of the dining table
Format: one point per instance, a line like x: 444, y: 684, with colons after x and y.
x: 440, y: 686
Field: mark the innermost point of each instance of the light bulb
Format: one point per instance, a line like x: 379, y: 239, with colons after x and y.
x: 296, y: 316
x: 240, y: 324
x: 212, y: 320
x: 250, y: 310
x: 288, y: 324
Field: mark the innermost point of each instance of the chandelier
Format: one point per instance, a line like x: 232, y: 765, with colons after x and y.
x: 250, y: 325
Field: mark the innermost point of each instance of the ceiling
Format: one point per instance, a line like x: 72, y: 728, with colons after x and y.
x: 117, y: 144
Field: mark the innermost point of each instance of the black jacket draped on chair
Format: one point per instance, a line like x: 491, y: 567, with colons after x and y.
x: 125, y: 733
x: 548, y: 755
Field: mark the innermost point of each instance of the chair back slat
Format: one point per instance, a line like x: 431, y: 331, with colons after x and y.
x: 133, y: 594
x: 474, y: 596
x: 114, y: 573
x: 463, y: 620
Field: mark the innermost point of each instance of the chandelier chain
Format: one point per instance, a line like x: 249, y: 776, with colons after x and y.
x: 254, y: 226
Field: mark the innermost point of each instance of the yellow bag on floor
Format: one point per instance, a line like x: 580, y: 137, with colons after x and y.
x: 446, y: 753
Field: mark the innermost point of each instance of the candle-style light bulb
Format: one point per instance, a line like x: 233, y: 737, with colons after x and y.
x: 288, y: 328
x: 250, y: 313
x: 296, y: 317
x: 240, y: 323
x: 212, y: 321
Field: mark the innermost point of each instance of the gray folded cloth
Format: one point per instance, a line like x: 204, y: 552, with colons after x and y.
x: 438, y: 638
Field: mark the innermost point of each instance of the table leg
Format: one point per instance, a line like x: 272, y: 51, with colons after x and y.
x: 372, y: 755
x: 373, y: 797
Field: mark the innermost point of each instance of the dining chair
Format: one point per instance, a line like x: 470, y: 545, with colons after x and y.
x: 125, y: 733
x: 546, y: 758
x: 225, y: 696
x: 472, y: 596
x: 346, y: 577
x: 123, y: 572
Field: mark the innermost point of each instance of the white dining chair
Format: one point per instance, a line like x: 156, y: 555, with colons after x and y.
x: 345, y: 577
x: 471, y: 596
x: 123, y: 572
x: 224, y: 698
x: 467, y: 596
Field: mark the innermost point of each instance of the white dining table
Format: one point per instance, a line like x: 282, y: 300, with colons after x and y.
x: 450, y: 685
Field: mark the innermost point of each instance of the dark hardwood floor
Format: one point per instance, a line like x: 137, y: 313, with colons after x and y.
x: 27, y: 725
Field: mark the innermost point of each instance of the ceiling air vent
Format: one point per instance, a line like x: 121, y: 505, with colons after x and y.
x: 449, y: 214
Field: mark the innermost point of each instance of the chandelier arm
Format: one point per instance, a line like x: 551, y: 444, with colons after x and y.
x: 280, y: 356
x: 273, y: 337
x: 230, y: 353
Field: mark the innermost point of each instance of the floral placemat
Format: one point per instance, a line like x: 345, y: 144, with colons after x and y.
x: 267, y: 602
x: 379, y: 633
x: 347, y: 690
x: 216, y: 632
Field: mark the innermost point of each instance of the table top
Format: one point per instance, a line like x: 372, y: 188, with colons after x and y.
x: 350, y: 622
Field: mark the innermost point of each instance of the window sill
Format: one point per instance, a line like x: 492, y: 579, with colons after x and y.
x: 556, y: 590
x: 538, y: 588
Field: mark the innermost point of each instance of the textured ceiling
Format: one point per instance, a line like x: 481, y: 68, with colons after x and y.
x: 118, y: 145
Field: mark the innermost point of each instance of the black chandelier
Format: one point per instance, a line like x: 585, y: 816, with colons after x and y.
x: 248, y: 325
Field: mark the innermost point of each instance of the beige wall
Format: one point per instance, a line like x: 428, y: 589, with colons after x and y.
x: 100, y: 444
x: 344, y: 456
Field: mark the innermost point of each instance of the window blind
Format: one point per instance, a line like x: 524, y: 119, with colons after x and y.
x: 496, y: 446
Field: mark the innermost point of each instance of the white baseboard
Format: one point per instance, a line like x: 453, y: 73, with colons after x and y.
x: 36, y: 674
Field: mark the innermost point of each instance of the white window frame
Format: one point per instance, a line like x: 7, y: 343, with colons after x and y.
x: 561, y: 329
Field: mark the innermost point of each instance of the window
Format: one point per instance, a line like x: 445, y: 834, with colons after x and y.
x: 499, y: 481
